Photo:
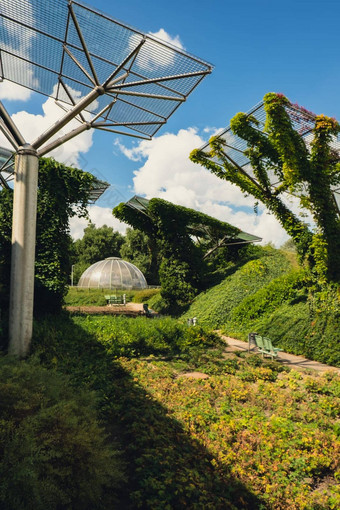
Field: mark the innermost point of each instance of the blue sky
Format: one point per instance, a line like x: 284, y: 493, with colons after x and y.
x: 255, y: 46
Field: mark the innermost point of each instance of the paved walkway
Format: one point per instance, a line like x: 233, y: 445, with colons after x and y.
x: 296, y: 362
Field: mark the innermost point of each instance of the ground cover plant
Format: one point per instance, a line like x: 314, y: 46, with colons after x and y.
x: 253, y: 435
x: 54, y: 453
x: 214, y: 306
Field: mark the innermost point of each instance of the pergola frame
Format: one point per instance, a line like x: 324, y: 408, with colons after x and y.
x: 202, y: 230
x: 138, y: 100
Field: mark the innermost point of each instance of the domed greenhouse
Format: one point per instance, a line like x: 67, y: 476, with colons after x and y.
x: 112, y: 273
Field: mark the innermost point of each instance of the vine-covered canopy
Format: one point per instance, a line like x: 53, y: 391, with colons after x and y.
x: 235, y: 147
x: 183, y: 239
x: 281, y: 148
x: 214, y: 233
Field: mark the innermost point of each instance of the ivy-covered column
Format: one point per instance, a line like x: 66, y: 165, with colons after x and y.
x: 23, y: 251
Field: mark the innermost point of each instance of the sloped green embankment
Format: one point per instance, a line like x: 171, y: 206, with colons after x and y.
x: 213, y: 307
x: 270, y: 297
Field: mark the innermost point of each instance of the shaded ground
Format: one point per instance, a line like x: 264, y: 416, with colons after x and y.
x: 234, y: 345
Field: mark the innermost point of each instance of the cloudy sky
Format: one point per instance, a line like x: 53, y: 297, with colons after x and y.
x: 255, y: 46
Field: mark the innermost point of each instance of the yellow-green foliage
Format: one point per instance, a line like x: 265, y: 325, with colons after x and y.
x: 96, y: 297
x: 276, y: 437
x: 141, y: 296
x: 85, y: 297
x: 252, y: 436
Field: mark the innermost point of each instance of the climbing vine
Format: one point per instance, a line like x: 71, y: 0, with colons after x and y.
x: 308, y: 173
x: 62, y: 193
x: 172, y: 229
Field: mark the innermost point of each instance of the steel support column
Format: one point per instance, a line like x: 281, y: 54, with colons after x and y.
x: 23, y: 251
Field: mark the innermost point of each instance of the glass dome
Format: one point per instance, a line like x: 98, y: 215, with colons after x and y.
x: 112, y: 273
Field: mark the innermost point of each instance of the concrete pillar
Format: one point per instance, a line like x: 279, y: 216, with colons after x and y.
x: 23, y: 251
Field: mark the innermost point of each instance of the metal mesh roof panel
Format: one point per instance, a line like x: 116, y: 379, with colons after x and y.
x: 63, y: 48
x: 198, y: 230
x: 7, y: 173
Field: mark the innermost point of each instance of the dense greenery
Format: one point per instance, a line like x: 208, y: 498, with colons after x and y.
x: 96, y: 297
x: 173, y: 228
x: 141, y: 251
x: 253, y: 435
x: 280, y: 150
x: 271, y: 296
x: 214, y: 306
x: 62, y: 193
x: 53, y: 451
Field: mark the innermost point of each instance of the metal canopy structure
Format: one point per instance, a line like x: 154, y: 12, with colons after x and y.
x: 302, y: 121
x: 65, y: 50
x: 7, y: 175
x: 101, y: 72
x: 208, y: 230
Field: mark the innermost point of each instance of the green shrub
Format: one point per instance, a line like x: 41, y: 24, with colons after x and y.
x: 92, y: 297
x: 271, y: 296
x: 85, y: 297
x: 296, y: 329
x: 141, y: 336
x: 53, y: 452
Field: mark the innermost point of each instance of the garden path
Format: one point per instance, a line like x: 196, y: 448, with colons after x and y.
x: 296, y: 362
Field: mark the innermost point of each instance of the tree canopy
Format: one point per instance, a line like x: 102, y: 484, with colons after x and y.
x: 307, y: 167
x: 139, y: 249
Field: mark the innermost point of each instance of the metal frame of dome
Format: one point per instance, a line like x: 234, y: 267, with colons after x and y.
x: 112, y: 273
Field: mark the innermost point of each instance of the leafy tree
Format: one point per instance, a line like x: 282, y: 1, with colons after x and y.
x: 96, y: 244
x: 140, y: 250
x: 307, y: 172
x: 63, y: 192
x: 172, y: 228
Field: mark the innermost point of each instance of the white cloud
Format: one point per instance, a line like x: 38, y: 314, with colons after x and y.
x: 31, y: 126
x: 13, y: 91
x: 168, y: 173
x: 152, y: 55
x: 20, y: 46
x: 164, y: 36
x: 99, y: 216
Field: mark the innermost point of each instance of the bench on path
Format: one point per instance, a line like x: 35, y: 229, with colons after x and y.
x: 115, y: 300
x: 265, y: 346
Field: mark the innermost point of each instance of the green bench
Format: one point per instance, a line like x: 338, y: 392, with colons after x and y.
x: 115, y: 300
x: 265, y: 346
